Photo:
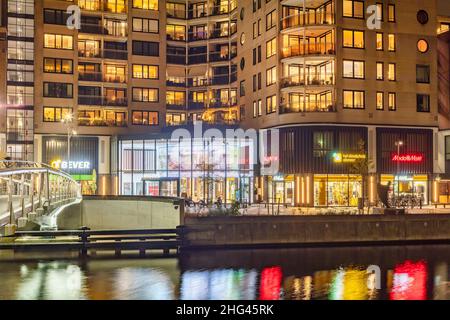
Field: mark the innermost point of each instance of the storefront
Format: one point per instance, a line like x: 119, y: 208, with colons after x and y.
x: 405, y: 162
x: 319, y: 166
x: 201, y: 169
x: 83, y: 162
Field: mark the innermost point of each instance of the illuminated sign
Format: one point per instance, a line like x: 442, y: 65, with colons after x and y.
x: 64, y: 165
x: 407, y: 157
x: 339, y: 157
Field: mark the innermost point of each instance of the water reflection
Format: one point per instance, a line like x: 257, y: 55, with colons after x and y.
x: 240, y: 275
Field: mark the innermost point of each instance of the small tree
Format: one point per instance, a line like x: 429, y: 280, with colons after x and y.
x: 361, y: 167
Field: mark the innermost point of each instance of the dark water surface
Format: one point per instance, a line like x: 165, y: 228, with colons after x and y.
x: 408, y: 272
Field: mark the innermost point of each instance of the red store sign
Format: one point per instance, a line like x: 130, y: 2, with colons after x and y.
x: 408, y: 158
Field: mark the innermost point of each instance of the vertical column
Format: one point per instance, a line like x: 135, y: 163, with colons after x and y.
x: 10, y: 229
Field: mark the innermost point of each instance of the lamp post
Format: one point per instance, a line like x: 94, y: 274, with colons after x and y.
x: 68, y: 121
x: 398, y: 144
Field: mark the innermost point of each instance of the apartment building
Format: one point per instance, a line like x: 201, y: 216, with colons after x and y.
x: 337, y: 88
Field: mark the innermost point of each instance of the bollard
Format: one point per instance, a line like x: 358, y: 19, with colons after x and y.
x: 10, y: 230
x: 22, y: 222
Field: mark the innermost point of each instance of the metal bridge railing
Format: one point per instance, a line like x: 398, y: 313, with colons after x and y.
x: 29, y: 190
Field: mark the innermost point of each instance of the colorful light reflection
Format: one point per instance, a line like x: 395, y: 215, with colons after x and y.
x: 410, y: 281
x: 270, y: 283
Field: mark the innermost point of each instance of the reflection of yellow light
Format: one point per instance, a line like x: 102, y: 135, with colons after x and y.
x: 297, y: 188
x: 435, y: 191
x: 355, y: 285
x: 116, y: 185
x: 103, y: 185
x: 372, y: 190
x: 303, y: 190
x: 307, y: 190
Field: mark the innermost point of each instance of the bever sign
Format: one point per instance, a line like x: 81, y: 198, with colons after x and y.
x: 64, y: 165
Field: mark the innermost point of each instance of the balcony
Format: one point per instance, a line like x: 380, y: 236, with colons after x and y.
x: 197, y: 36
x: 300, y: 81
x: 198, y: 58
x: 176, y: 104
x: 222, y: 103
x: 319, y: 49
x: 308, y: 108
x: 176, y: 59
x: 106, y: 53
x: 92, y: 28
x: 95, y: 122
x: 115, y: 78
x: 115, y: 54
x: 90, y: 76
x: 196, y: 105
x: 219, y: 56
x: 102, y: 101
x: 180, y: 83
x: 176, y: 37
x: 303, y: 20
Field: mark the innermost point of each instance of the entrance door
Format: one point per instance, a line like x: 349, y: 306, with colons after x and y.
x: 279, y: 192
x: 169, y: 188
x: 289, y: 193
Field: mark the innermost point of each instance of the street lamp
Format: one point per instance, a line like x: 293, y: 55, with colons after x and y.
x: 398, y: 144
x: 68, y: 121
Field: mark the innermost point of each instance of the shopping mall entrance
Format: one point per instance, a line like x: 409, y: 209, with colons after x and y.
x: 162, y: 187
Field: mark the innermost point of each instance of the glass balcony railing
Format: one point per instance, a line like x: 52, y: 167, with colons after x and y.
x: 95, y: 122
x: 308, y: 49
x: 115, y: 78
x: 90, y: 76
x: 326, y: 106
x: 304, y: 20
x: 326, y: 79
x: 102, y: 101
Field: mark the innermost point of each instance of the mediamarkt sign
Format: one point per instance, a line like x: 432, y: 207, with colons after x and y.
x: 64, y: 165
x: 407, y: 158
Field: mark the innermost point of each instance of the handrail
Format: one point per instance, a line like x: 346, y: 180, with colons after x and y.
x: 37, y: 168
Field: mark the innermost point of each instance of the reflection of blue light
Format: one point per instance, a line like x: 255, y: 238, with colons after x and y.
x: 223, y: 284
x: 143, y: 284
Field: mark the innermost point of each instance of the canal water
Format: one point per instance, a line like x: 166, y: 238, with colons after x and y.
x: 396, y: 273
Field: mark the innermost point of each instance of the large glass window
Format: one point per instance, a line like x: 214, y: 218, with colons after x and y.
x: 353, y: 39
x: 146, y: 4
x: 353, y: 69
x: 353, y: 9
x: 145, y: 95
x: 354, y: 99
x: 58, y: 41
x: 423, y: 74
x: 423, y: 103
x: 56, y: 114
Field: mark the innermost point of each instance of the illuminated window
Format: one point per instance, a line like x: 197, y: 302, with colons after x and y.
x: 146, y: 118
x: 392, y: 72
x: 145, y: 95
x: 379, y: 11
x: 380, y: 100
x: 145, y: 25
x: 176, y: 98
x: 380, y: 46
x: 176, y: 32
x: 391, y: 42
x: 391, y: 12
x: 353, y: 69
x: 271, y: 48
x: 173, y: 119
x: 142, y: 71
x: 353, y: 39
x: 54, y: 65
x: 56, y: 114
x: 392, y: 101
x: 58, y: 41
x: 259, y: 108
x: 353, y: 9
x: 145, y: 4
x: 116, y: 6
x: 271, y: 104
x: 380, y: 71
x: 271, y: 76
x: 354, y: 99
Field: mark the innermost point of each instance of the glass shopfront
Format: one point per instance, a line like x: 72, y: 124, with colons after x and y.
x: 413, y: 185
x: 281, y: 190
x: 83, y: 162
x: 202, y: 169
x: 337, y: 190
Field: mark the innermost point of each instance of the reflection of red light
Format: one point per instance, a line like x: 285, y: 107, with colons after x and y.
x: 410, y: 281
x: 407, y: 157
x: 270, y: 284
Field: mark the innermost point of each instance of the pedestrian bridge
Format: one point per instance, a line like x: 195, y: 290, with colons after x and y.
x: 33, y: 194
